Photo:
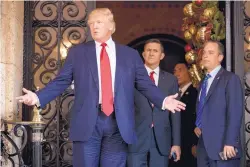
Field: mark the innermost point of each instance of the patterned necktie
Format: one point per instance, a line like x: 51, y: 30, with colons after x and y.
x: 202, y: 100
x: 106, y: 82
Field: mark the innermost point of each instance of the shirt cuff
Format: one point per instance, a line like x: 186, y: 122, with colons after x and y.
x: 38, y: 104
x: 163, y: 104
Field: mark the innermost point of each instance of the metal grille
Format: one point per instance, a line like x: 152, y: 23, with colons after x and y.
x: 51, y: 28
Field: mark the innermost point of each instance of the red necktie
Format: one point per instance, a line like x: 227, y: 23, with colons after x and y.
x: 106, y: 82
x: 152, y: 76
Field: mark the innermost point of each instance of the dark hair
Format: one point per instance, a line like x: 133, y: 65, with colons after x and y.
x: 220, y: 45
x: 154, y: 40
x: 183, y: 62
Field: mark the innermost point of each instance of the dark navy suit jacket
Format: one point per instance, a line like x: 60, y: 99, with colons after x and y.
x: 167, y: 132
x: 222, y: 114
x: 81, y: 66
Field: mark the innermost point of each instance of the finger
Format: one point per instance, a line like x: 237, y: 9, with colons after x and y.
x: 177, y: 109
x: 25, y: 90
x: 225, y: 154
x: 181, y: 104
x: 175, y: 95
x: 19, y: 98
x: 181, y: 107
x: 173, y: 111
x: 199, y: 132
x: 233, y: 153
x: 20, y: 101
x: 229, y: 154
x: 178, y: 156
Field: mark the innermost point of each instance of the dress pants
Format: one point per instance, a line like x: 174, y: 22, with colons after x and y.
x: 105, y: 148
x: 150, y: 157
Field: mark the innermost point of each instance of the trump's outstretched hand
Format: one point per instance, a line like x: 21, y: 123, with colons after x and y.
x: 29, y: 98
x: 171, y: 104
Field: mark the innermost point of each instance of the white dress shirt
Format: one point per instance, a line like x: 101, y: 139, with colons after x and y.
x: 213, y: 73
x: 156, y: 73
x: 184, y: 88
x: 111, y: 51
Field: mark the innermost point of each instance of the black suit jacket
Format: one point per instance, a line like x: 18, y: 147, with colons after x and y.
x: 166, y: 133
x: 188, y: 118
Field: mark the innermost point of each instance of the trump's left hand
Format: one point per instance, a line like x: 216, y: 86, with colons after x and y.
x: 171, y: 104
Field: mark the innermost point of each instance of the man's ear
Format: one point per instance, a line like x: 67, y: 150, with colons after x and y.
x: 143, y: 54
x: 162, y: 55
x: 221, y: 57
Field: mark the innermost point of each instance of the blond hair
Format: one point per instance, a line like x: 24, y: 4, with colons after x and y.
x: 107, y: 13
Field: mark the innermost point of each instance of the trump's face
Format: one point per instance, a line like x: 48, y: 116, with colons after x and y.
x: 100, y: 27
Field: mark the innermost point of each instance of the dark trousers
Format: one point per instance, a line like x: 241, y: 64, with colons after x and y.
x: 204, y: 161
x: 149, y: 158
x: 105, y: 148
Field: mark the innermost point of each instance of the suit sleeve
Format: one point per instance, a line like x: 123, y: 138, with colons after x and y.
x: 144, y: 85
x: 234, y: 99
x: 62, y: 81
x: 176, y: 119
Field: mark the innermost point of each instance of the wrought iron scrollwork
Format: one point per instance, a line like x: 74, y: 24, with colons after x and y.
x: 14, y: 156
x: 56, y: 26
x: 246, y: 13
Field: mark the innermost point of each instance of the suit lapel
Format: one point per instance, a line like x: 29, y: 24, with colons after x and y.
x: 161, y: 80
x: 91, y: 56
x: 214, y: 83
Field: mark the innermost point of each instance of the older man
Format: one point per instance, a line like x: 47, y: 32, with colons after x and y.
x: 105, y: 74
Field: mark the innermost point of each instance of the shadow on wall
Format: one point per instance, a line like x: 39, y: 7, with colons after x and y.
x: 173, y: 47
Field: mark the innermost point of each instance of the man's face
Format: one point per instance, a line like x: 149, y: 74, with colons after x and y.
x: 152, y: 54
x: 181, y: 72
x: 211, y: 57
x: 100, y: 27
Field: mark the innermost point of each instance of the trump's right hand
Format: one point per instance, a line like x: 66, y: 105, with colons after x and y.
x: 29, y: 98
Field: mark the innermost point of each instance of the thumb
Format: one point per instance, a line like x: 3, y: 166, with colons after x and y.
x: 25, y: 90
x: 175, y: 96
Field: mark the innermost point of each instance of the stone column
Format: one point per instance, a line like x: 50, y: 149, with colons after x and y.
x: 11, y: 58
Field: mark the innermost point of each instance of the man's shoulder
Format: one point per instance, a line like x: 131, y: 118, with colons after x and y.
x: 168, y: 74
x: 229, y: 75
x: 82, y: 45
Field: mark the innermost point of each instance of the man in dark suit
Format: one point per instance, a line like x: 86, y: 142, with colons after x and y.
x: 219, y: 112
x: 188, y: 96
x: 105, y: 74
x: 153, y: 127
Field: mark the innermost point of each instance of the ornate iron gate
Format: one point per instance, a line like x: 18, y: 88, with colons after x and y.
x: 51, y: 28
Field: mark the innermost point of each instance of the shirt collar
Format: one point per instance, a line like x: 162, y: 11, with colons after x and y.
x: 156, y: 70
x: 108, y: 42
x: 185, y: 87
x: 214, y: 72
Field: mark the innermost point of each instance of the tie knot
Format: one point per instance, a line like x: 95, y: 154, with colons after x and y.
x: 103, y: 44
x: 152, y: 73
x: 207, y: 76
